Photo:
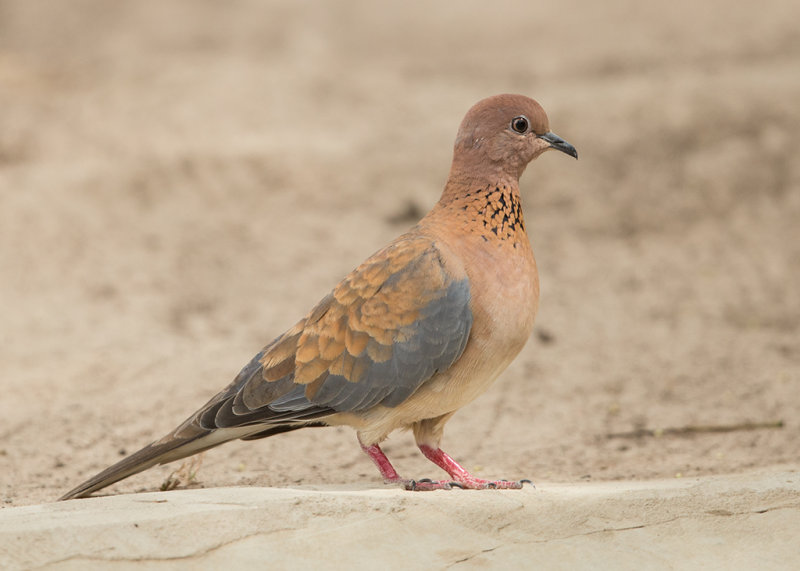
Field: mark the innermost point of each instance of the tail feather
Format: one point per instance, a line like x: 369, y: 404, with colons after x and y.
x: 159, y: 452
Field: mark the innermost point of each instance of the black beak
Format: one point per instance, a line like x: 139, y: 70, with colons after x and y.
x: 559, y: 144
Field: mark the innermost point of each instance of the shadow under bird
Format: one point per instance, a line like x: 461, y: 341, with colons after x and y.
x: 414, y: 333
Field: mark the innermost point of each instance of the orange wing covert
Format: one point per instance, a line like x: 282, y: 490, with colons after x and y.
x: 383, y: 331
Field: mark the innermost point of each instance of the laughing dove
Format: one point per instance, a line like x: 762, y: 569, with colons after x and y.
x: 417, y: 331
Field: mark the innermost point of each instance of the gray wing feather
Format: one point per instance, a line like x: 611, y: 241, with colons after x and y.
x: 438, y: 339
x: 432, y: 343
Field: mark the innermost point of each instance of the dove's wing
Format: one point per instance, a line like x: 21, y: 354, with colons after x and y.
x: 388, y: 327
x: 385, y: 330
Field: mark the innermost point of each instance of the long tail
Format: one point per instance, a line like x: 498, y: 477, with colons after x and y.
x: 162, y: 451
x: 223, y: 418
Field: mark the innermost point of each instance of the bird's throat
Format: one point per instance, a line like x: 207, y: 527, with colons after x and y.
x: 494, y: 211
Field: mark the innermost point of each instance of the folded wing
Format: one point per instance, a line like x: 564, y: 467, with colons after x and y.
x: 386, y: 329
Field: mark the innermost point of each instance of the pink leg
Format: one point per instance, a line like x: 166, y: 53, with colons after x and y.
x: 377, y: 456
x: 461, y: 477
x: 390, y: 475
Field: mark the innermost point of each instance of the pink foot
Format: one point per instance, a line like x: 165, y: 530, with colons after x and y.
x: 462, y: 478
x: 390, y: 475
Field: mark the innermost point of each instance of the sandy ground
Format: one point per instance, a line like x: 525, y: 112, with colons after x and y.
x: 180, y: 181
x: 722, y: 522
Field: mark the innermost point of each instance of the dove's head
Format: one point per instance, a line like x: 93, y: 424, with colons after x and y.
x: 500, y: 135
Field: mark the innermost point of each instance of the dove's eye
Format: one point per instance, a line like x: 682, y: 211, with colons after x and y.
x: 520, y: 124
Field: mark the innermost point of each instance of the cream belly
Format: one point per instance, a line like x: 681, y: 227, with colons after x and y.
x: 444, y: 393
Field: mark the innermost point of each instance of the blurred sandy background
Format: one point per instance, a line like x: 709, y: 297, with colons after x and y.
x: 180, y: 181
